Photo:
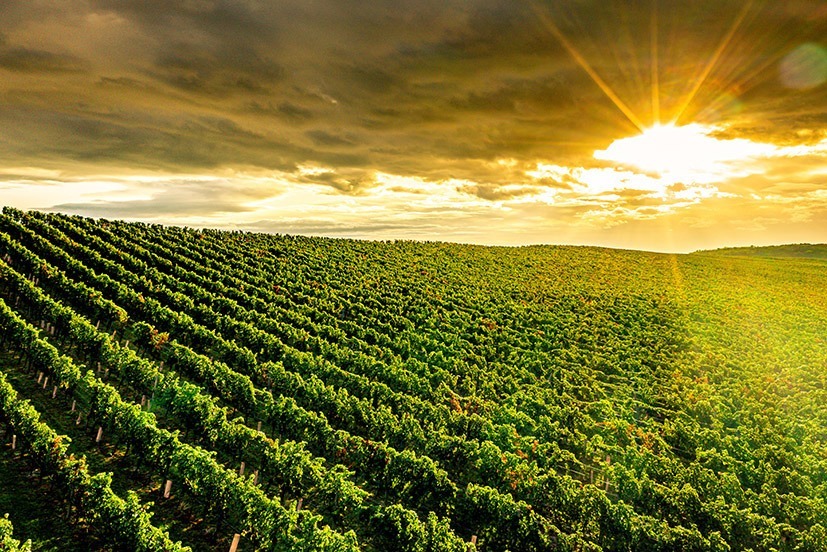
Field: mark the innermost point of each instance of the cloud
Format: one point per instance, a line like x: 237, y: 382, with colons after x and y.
x: 195, y: 70
x: 459, y: 98
x: 293, y: 112
x: 25, y: 60
x: 500, y: 193
x: 379, y: 81
x: 325, y: 138
x: 175, y: 198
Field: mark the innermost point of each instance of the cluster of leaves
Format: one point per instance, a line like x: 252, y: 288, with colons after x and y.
x: 7, y: 540
x: 124, y: 523
x: 234, y: 497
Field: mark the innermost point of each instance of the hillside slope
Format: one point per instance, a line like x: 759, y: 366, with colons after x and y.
x: 418, y: 396
x: 796, y: 250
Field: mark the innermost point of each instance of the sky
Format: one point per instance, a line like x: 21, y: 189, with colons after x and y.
x: 662, y: 125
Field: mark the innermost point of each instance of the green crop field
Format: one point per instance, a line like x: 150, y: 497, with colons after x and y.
x: 164, y: 388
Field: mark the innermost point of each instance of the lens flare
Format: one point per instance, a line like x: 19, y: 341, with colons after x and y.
x: 805, y: 67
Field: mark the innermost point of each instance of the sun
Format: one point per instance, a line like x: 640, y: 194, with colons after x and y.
x: 687, y: 153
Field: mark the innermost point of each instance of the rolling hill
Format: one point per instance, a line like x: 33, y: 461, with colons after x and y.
x: 165, y: 388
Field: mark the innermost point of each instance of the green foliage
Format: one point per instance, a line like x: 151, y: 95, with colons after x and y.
x: 416, y: 394
x: 7, y: 541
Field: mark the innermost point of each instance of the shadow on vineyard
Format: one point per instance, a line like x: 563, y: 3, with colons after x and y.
x: 166, y: 388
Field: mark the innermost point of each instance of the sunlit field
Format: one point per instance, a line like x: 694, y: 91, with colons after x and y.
x: 292, y: 393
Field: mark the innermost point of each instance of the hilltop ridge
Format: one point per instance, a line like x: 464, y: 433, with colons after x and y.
x: 794, y: 250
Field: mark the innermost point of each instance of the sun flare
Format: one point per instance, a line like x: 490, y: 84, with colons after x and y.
x: 684, y: 153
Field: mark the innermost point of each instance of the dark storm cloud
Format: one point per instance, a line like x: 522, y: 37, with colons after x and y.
x: 26, y: 60
x: 527, y: 97
x: 287, y: 110
x: 429, y: 88
x: 139, y: 140
x: 193, y: 70
x: 325, y: 138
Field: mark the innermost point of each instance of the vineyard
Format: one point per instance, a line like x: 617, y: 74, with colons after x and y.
x: 168, y: 388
